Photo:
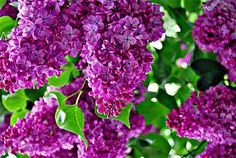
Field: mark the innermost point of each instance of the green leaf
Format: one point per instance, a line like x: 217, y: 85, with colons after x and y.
x: 171, y: 3
x: 210, y: 71
x: 123, y: 117
x: 35, y: 94
x: 16, y: 115
x: 200, y: 149
x: 69, y: 117
x: 162, y: 67
x: 161, y: 70
x: 166, y: 99
x: 183, y: 93
x: 72, y: 59
x: 15, y: 102
x: 153, y: 112
x: 192, y: 5
x: 60, y: 81
x: 199, y: 54
x: 6, y: 25
x: 61, y: 99
x: 152, y: 146
x: 182, y: 20
x: 2, y: 2
x: 76, y: 73
x: 179, y: 144
x: 3, y: 110
x: 188, y: 75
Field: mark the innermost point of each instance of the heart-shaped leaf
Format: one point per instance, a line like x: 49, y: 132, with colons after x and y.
x: 6, y: 25
x: 16, y: 115
x: 123, y: 117
x: 16, y: 101
x: 60, y: 81
x: 69, y: 117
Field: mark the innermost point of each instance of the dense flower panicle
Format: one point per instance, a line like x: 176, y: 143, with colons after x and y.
x: 3, y: 126
x: 218, y: 151
x: 38, y: 134
x: 112, y: 36
x: 216, y: 27
x: 3, y: 59
x: 211, y: 116
x: 215, y: 31
x: 36, y: 48
x: 116, y: 36
x: 8, y: 10
x: 227, y: 57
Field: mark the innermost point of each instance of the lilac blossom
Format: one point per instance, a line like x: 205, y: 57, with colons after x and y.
x: 116, y: 53
x: 207, y: 117
x: 38, y: 134
x: 3, y: 126
x: 215, y: 151
x: 47, y: 32
x: 215, y: 31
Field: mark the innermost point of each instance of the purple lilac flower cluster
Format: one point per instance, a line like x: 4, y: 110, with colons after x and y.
x: 112, y: 35
x: 3, y: 59
x: 8, y: 10
x: 3, y: 127
x: 218, y: 151
x: 47, y: 31
x: 215, y: 31
x: 38, y: 135
x: 117, y: 33
x: 211, y: 117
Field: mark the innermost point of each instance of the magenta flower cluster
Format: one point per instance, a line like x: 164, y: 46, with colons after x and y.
x: 218, y: 151
x: 37, y: 47
x: 117, y: 33
x: 4, y: 125
x: 209, y: 116
x: 215, y: 31
x: 110, y: 35
x: 38, y: 135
